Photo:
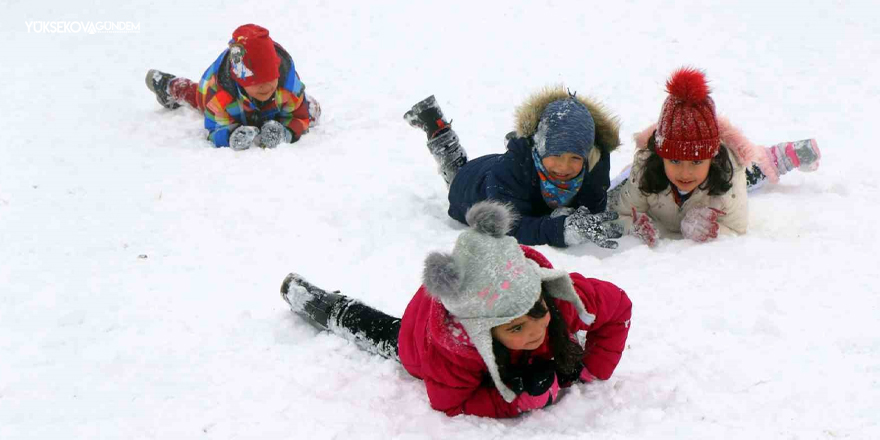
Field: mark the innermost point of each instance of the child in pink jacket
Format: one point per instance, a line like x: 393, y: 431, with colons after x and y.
x: 491, y: 332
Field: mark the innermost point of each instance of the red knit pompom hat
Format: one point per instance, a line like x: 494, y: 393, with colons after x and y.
x: 687, y: 129
x: 252, y: 56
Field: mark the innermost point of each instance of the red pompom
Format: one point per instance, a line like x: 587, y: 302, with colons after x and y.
x: 689, y: 85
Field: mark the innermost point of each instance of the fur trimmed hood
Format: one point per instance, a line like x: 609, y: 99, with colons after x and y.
x: 732, y: 137
x: 528, y: 114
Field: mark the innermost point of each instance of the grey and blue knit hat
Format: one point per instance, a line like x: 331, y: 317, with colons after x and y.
x: 566, y: 126
x: 487, y: 281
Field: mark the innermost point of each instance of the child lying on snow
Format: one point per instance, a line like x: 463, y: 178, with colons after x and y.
x: 691, y: 170
x: 251, y: 95
x: 554, y: 172
x: 491, y: 331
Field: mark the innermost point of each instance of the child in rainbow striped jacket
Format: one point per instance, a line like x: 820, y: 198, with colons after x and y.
x: 251, y: 95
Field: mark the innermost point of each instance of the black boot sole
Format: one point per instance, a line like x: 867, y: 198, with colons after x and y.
x: 162, y: 97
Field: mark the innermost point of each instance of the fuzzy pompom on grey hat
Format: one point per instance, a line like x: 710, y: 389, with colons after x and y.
x: 487, y: 281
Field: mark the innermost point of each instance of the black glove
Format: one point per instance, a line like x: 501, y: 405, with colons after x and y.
x: 598, y: 228
x: 534, y: 379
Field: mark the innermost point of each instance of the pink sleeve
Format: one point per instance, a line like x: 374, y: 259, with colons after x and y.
x: 606, y: 336
x: 483, y: 400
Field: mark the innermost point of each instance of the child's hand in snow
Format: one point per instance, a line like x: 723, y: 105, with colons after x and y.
x: 644, y: 228
x: 537, y: 386
x: 701, y: 224
x: 272, y: 134
x: 599, y: 228
x: 243, y: 137
x: 561, y: 211
x: 586, y: 376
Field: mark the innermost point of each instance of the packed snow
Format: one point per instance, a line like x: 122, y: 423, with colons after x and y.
x: 140, y: 267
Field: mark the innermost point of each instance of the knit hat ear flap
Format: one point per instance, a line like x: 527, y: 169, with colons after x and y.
x: 441, y: 277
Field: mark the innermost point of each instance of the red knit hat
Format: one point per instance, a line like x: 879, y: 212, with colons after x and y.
x: 252, y: 56
x: 687, y: 129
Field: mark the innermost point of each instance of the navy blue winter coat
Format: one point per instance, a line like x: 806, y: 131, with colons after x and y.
x: 511, y: 177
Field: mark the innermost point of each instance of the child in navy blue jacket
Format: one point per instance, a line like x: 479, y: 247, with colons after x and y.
x: 554, y: 174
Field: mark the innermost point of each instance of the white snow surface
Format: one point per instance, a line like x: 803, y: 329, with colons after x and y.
x: 140, y: 267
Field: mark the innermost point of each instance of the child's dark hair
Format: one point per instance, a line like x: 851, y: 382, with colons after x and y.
x: 567, y: 353
x: 654, y: 180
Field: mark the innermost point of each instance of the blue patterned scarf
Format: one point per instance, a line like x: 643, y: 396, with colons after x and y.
x: 556, y: 192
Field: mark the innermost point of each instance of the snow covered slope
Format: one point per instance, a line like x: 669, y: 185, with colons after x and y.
x: 139, y: 267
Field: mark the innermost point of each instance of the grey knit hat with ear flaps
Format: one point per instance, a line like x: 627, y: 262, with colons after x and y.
x: 487, y: 281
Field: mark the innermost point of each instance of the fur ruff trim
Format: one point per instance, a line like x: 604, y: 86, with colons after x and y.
x: 528, y: 114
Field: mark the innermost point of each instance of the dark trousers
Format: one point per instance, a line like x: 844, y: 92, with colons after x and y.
x: 368, y: 328
x: 754, y: 178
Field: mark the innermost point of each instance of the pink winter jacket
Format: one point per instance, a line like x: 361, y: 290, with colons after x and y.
x: 432, y: 347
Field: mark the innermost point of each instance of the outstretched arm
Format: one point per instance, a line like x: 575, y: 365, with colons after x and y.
x: 294, y: 112
x: 219, y: 123
x: 464, y: 391
x: 627, y: 198
x: 606, y: 336
x: 530, y: 230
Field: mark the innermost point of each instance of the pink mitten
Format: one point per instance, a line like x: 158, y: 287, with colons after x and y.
x: 586, y: 376
x: 527, y: 402
x: 644, y: 228
x: 701, y: 224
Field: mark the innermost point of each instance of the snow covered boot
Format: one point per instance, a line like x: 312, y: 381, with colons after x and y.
x: 426, y: 115
x: 448, y: 153
x: 158, y: 83
x: 370, y: 329
x: 312, y: 303
x: 314, y: 110
x: 803, y: 155
x: 783, y: 157
x: 442, y: 141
